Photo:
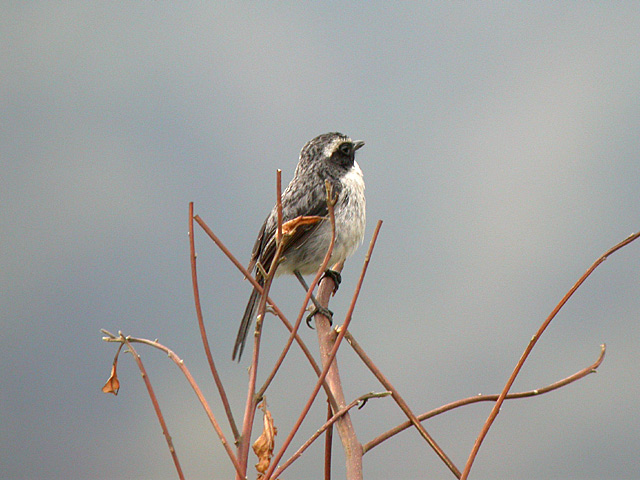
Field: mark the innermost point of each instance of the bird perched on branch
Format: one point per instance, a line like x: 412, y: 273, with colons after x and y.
x: 330, y: 156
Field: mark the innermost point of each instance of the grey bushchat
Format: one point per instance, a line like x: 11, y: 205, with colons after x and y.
x: 330, y: 156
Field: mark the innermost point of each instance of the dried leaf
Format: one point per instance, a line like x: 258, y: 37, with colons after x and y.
x: 289, y: 228
x: 113, y: 384
x: 263, y: 446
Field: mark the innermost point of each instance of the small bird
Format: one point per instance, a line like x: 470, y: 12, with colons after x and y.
x: 330, y: 156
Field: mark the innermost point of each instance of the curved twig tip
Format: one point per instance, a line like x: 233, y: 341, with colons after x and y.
x: 603, y: 349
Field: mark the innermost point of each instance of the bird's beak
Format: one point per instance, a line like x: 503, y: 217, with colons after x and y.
x: 357, y: 145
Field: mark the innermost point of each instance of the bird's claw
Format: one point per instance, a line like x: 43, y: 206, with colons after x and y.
x: 325, y: 312
x: 335, y: 276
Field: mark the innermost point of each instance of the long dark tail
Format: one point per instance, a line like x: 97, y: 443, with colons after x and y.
x: 247, y: 318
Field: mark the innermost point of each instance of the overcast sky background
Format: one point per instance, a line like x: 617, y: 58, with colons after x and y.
x: 502, y: 153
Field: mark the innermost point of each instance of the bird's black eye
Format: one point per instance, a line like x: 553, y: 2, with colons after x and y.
x: 346, y: 148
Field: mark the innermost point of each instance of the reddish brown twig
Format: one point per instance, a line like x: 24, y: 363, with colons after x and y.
x: 279, y: 205
x: 203, y: 332
x: 156, y: 406
x: 401, y: 403
x: 252, y: 399
x: 269, y: 473
x: 185, y: 371
x: 328, y: 444
x: 488, y: 398
x: 532, y: 342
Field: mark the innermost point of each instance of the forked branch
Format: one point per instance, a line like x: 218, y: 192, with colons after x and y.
x: 120, y: 338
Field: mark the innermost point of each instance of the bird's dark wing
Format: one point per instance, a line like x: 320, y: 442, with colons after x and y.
x: 297, y: 201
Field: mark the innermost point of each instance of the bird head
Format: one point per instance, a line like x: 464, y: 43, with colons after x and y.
x: 331, y: 149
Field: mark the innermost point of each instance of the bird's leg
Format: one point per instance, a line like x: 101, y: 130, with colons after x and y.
x: 317, y: 307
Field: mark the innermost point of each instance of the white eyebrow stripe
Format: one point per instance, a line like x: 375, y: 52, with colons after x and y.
x: 329, y: 149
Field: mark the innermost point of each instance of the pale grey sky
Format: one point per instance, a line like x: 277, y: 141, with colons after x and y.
x: 502, y: 153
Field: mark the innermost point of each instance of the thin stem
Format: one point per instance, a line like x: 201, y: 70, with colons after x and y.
x: 401, y: 403
x: 334, y: 351
x: 156, y: 406
x: 328, y: 443
x: 532, y: 342
x: 279, y: 205
x: 489, y: 398
x: 252, y: 398
x: 203, y: 332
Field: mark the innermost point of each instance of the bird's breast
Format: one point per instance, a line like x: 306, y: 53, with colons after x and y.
x: 350, y: 214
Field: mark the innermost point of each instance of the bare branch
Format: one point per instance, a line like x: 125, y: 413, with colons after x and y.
x: 279, y: 205
x: 489, y: 398
x: 252, y: 399
x: 328, y: 444
x: 156, y: 406
x: 203, y: 332
x: 185, y: 371
x: 532, y: 342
